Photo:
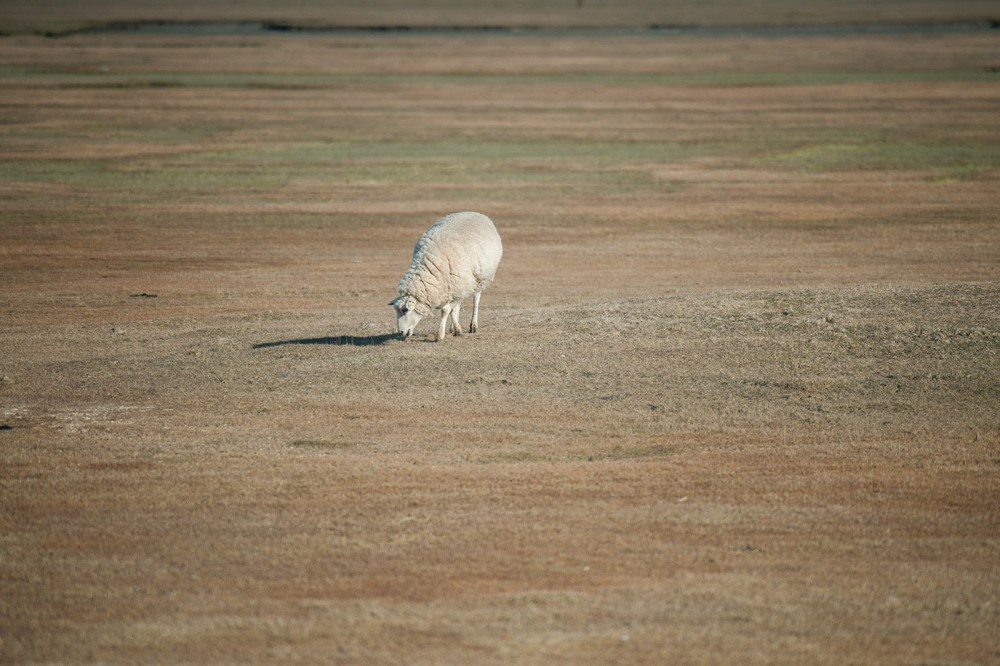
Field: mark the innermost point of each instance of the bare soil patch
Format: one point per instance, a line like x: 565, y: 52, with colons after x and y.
x: 734, y: 397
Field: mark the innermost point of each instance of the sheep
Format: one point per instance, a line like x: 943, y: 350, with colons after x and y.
x: 456, y: 257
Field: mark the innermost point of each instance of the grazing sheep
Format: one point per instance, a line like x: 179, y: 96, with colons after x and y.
x: 456, y: 257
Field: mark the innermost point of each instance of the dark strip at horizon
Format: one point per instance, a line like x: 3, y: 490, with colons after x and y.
x: 271, y: 27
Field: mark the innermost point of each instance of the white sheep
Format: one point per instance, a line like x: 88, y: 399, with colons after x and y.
x: 456, y: 257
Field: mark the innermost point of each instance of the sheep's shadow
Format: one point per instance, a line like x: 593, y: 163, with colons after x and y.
x: 338, y: 340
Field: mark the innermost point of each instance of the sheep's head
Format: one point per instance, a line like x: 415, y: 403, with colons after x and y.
x: 408, y: 314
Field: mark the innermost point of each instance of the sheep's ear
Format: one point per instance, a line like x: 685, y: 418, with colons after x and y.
x: 392, y: 303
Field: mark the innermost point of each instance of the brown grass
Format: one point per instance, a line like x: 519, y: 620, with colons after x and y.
x: 734, y: 397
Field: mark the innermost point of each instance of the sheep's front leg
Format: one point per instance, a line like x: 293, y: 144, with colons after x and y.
x: 474, y: 326
x: 443, y: 325
x: 456, y: 328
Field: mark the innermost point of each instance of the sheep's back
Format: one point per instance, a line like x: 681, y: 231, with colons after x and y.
x: 459, y: 254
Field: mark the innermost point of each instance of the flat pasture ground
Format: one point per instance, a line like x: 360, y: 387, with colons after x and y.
x: 735, y: 395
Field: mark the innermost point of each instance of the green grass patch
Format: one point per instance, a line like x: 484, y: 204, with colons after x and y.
x: 959, y: 159
x: 76, y: 78
x: 589, y: 153
x: 137, y: 177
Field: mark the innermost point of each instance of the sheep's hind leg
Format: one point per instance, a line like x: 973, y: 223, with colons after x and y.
x: 474, y: 326
x: 456, y: 328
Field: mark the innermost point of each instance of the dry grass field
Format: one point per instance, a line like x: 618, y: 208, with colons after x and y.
x: 735, y: 396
